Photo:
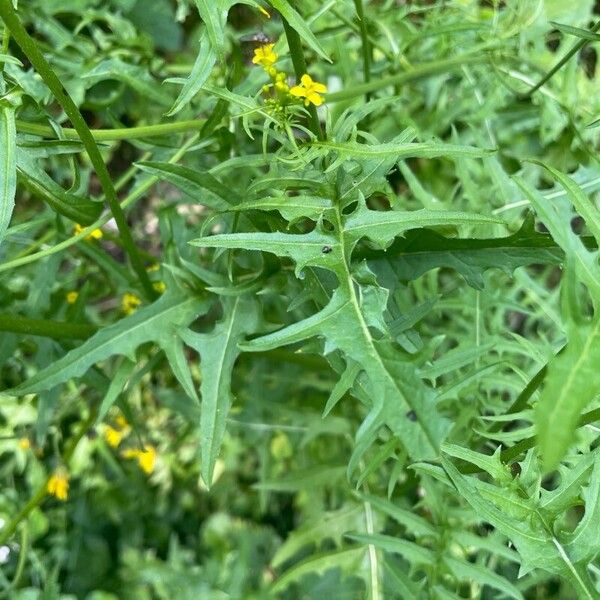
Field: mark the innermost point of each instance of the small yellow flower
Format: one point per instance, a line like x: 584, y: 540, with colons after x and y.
x: 72, y: 297
x: 129, y: 303
x: 24, y: 443
x: 95, y: 234
x: 58, y: 484
x: 152, y: 268
x: 146, y: 458
x: 113, y: 436
x: 159, y: 286
x: 309, y: 90
x: 265, y: 56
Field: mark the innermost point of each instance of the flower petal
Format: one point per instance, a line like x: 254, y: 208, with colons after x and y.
x: 298, y: 91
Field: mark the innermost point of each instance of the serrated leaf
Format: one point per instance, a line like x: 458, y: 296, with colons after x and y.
x: 291, y: 208
x: 382, y: 227
x: 159, y: 323
x: 218, y: 352
x: 213, y: 14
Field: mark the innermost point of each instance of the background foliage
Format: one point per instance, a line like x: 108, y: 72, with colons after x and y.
x: 284, y: 351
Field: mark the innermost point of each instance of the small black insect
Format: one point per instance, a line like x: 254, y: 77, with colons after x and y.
x: 249, y: 43
x: 411, y: 415
x: 326, y: 249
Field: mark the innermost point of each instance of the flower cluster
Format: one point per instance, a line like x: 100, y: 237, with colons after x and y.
x: 130, y: 303
x: 114, y: 435
x: 278, y: 91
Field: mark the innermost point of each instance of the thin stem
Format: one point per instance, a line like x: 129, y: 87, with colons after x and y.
x: 418, y: 72
x: 57, y: 330
x: 564, y: 60
x: 33, y: 53
x: 365, y: 43
x: 299, y: 63
x: 110, y: 135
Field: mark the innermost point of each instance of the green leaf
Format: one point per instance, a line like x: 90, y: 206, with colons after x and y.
x: 214, y: 16
x: 194, y: 183
x: 8, y: 166
x: 413, y: 553
x: 465, y: 571
x: 348, y: 560
x: 382, y: 227
x: 330, y: 525
x: 572, y: 382
x: 160, y: 323
x: 299, y: 480
x: 291, y: 208
x: 422, y: 250
x: 76, y: 208
x: 298, y: 23
x: 218, y: 352
x: 203, y: 66
x: 584, y: 34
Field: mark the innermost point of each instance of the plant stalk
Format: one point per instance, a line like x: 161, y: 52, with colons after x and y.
x: 33, y: 53
x: 365, y: 43
x: 57, y: 330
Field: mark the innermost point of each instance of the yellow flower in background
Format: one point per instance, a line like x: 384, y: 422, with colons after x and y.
x: 152, y: 268
x: 159, y: 286
x: 113, y: 436
x: 72, y: 297
x: 58, y: 484
x: 24, y: 443
x: 95, y: 234
x: 146, y: 458
x: 130, y: 302
x: 265, y: 56
x: 309, y: 90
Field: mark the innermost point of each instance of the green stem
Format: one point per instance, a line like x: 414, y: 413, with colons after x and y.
x: 33, y: 53
x: 418, y: 72
x: 299, y: 63
x: 564, y: 60
x: 110, y: 135
x: 57, y: 330
x: 365, y: 44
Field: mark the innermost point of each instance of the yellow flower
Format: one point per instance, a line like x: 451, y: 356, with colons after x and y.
x: 113, y: 436
x: 159, y: 286
x: 72, y: 297
x: 58, y: 484
x: 24, y: 443
x: 129, y: 303
x: 309, y: 90
x: 146, y: 458
x: 152, y: 268
x: 265, y: 57
x: 95, y: 234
